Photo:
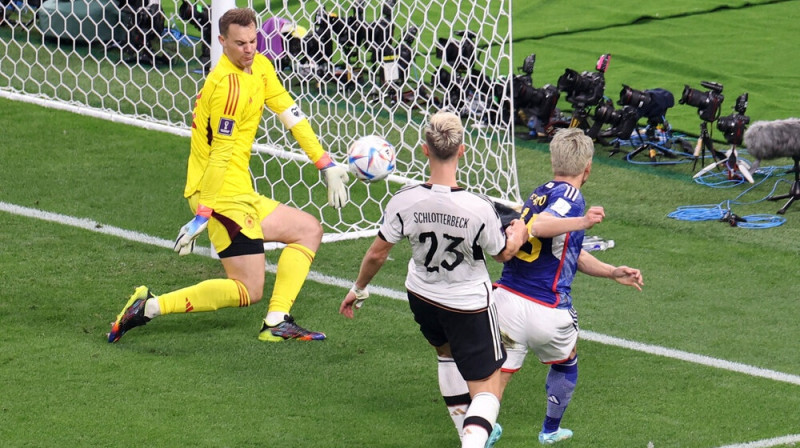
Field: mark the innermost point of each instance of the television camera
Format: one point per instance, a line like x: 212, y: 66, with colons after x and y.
x: 351, y: 34
x: 707, y: 103
x: 199, y: 16
x: 733, y: 127
x: 354, y: 32
x: 396, y: 65
x: 651, y: 104
x: 623, y: 121
x: 465, y: 89
x: 143, y: 21
x: 584, y: 90
x: 534, y: 106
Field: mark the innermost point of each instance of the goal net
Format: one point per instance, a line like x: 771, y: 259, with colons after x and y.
x: 354, y: 67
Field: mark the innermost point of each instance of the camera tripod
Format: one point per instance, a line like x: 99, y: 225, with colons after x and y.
x: 794, y: 192
x: 704, y: 142
x: 650, y: 144
x: 580, y: 119
x: 732, y: 164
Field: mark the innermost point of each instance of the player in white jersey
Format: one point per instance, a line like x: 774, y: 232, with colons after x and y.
x: 533, y: 294
x: 449, y: 289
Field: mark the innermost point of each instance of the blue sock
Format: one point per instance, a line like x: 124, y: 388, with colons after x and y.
x: 561, y: 381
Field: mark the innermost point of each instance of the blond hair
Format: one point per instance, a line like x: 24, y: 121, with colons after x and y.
x: 444, y: 134
x: 571, y: 151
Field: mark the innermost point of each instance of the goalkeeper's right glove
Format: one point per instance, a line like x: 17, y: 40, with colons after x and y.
x: 361, y: 296
x: 336, y: 178
x: 184, y: 244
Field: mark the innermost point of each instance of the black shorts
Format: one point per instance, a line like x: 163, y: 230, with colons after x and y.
x: 474, y: 336
x: 242, y: 245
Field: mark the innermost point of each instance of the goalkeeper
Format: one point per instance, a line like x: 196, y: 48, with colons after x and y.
x: 220, y: 192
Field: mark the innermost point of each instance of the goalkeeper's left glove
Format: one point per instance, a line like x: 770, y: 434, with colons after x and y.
x: 336, y: 178
x: 184, y: 244
x: 361, y: 296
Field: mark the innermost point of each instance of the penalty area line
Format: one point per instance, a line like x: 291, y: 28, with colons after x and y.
x: 766, y: 443
x: 94, y: 226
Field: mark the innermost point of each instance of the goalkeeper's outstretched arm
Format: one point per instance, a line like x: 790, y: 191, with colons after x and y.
x: 335, y: 176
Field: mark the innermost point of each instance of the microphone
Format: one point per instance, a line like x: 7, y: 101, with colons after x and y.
x: 773, y: 139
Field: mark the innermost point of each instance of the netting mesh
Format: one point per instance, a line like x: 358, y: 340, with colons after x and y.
x: 354, y: 67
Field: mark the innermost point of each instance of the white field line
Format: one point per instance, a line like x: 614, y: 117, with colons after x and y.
x: 766, y: 443
x: 94, y: 226
x: 691, y: 357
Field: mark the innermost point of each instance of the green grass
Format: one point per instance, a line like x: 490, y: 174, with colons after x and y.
x: 204, y: 379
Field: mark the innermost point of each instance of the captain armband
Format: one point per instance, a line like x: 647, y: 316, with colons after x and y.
x: 291, y: 116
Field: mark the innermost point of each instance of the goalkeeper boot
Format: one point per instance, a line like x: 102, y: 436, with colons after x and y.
x: 549, y: 438
x: 288, y: 329
x: 497, y: 432
x: 132, y: 315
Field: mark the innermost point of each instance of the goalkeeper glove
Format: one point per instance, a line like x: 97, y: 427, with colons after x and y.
x: 336, y: 176
x: 361, y: 296
x: 184, y: 244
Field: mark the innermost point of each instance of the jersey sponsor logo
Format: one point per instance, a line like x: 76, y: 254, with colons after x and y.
x: 441, y: 218
x: 225, y: 126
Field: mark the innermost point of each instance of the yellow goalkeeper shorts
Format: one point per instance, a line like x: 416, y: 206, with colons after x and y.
x: 234, y: 214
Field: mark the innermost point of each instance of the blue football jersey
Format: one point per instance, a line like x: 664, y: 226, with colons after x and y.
x: 544, y: 268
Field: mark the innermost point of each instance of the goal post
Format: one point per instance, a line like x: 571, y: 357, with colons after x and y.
x: 354, y: 67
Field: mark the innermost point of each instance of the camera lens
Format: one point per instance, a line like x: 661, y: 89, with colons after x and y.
x: 692, y: 97
x: 605, y: 113
x: 633, y: 97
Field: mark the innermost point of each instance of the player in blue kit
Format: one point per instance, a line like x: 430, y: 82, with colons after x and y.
x: 533, y: 295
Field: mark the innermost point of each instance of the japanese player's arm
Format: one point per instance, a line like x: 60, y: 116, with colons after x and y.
x: 548, y: 225
x: 624, y: 275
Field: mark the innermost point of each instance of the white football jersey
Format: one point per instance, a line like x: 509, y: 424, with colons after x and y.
x: 449, y: 229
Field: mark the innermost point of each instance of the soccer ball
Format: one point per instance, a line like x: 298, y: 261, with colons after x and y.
x: 371, y: 158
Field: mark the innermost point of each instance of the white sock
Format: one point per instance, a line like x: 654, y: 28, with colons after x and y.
x: 481, y: 417
x: 274, y: 318
x: 151, y: 308
x: 455, y: 391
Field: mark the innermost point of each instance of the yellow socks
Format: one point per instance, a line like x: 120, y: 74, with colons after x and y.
x: 209, y: 295
x: 293, y: 266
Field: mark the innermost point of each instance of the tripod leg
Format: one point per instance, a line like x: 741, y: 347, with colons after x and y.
x: 710, y: 167
x: 638, y: 150
x: 786, y: 206
x: 745, y: 170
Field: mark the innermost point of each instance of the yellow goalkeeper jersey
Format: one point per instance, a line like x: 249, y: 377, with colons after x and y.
x: 225, y: 120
